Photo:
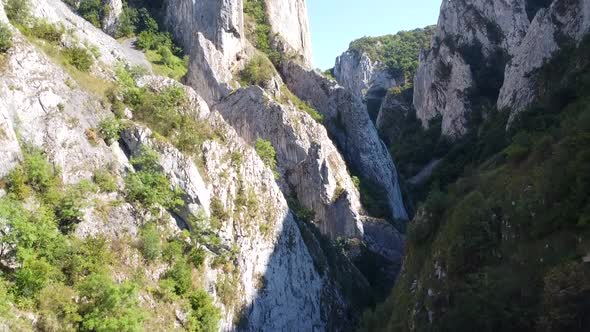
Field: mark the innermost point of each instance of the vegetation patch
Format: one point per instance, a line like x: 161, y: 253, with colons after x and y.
x: 149, y: 186
x: 304, y: 106
x: 398, y: 52
x: 506, y: 221
x: 5, y: 38
x: 258, y: 30
x: 268, y: 155
x: 258, y: 71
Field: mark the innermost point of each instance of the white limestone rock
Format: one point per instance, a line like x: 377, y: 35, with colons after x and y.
x: 349, y: 125
x: 309, y: 162
x: 545, y: 37
x: 363, y: 76
x: 212, y: 34
x: 112, y: 9
x: 444, y: 76
x: 288, y: 19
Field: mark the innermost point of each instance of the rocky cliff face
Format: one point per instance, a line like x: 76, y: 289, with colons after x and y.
x: 212, y: 34
x: 470, y: 36
x: 368, y: 80
x: 348, y: 123
x: 112, y: 11
x: 278, y: 284
x: 490, y: 50
x: 288, y: 19
x: 559, y: 26
x: 314, y: 170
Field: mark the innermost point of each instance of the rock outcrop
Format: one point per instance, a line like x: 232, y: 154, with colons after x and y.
x: 212, y: 34
x: 278, y: 285
x: 349, y: 125
x: 311, y: 165
x: 492, y: 50
x: 366, y: 79
x: 112, y: 10
x: 84, y: 33
x: 472, y: 35
x: 563, y: 23
x: 288, y: 20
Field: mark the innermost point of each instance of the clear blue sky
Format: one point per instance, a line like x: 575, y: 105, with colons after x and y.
x: 335, y: 23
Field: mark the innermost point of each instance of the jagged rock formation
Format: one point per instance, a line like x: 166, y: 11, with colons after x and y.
x: 112, y: 10
x: 470, y: 35
x: 366, y: 79
x: 491, y: 50
x: 111, y: 52
x: 561, y: 24
x: 279, y: 286
x: 348, y: 123
x: 212, y: 34
x: 288, y: 19
x: 314, y: 170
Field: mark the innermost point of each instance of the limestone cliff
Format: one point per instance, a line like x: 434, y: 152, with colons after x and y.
x: 288, y: 19
x: 367, y: 79
x: 561, y: 25
x: 212, y: 34
x: 277, y: 284
x: 348, y: 123
x: 490, y: 51
x: 472, y: 37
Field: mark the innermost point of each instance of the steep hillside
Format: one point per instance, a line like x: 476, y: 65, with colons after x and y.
x: 130, y: 201
x: 501, y: 240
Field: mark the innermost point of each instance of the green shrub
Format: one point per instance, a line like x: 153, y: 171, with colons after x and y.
x: 218, y: 213
x: 287, y: 95
x: 106, y: 306
x: 197, y: 257
x: 180, y: 273
x: 173, y: 251
x: 126, y: 24
x: 82, y: 258
x: 267, y: 153
x: 148, y: 185
x: 92, y: 11
x: 5, y: 299
x: 18, y: 11
x: 110, y: 129
x: 58, y: 309
x: 50, y: 32
x: 204, y: 315
x: 149, y: 243
x: 16, y: 182
x: 258, y: 30
x: 5, y: 38
x: 40, y: 174
x: 79, y: 58
x: 258, y: 71
x: 32, y: 276
x: 105, y: 181
x: 68, y: 211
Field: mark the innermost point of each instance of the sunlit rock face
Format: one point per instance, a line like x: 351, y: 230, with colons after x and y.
x: 366, y: 79
x: 212, y: 34
x: 492, y: 49
x: 349, y: 125
x: 112, y: 10
x: 308, y: 160
x: 471, y: 34
x: 553, y: 28
x: 288, y: 19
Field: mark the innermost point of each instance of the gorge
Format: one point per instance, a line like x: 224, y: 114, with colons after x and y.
x: 179, y: 165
